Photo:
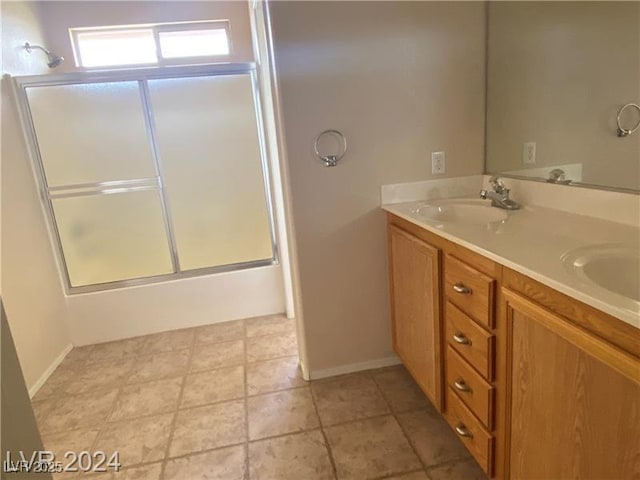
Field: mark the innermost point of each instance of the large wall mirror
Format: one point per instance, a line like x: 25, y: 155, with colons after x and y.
x: 558, y: 74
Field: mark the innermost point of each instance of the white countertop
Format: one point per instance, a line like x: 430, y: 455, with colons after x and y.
x: 533, y: 240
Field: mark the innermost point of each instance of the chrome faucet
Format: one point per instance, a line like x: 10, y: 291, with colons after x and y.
x: 499, y: 195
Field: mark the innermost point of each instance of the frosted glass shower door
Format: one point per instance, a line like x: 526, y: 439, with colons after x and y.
x: 102, y: 181
x: 89, y: 133
x: 112, y: 237
x: 207, y: 135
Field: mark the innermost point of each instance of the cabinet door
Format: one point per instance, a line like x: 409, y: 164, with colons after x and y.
x: 574, y: 399
x: 415, y: 296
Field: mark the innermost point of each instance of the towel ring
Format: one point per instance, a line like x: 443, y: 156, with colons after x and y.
x: 330, y: 160
x: 623, y: 132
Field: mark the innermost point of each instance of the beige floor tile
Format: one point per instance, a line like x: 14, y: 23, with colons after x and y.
x: 273, y: 375
x: 42, y: 408
x: 69, y: 370
x: 99, y: 375
x: 224, y: 464
x: 78, y: 411
x: 115, y: 351
x: 271, y: 346
x: 292, y: 457
x: 168, y: 341
x: 148, y: 398
x: 151, y: 471
x: 217, y: 355
x: 270, y: 325
x: 139, y: 441
x: 220, y: 332
x: 416, y: 476
x: 463, y: 470
x: 370, y: 449
x: 400, y: 390
x: 213, y: 386
x: 432, y: 437
x: 204, y: 428
x: 160, y: 365
x: 78, y: 354
x: 351, y: 397
x: 69, y: 441
x: 282, y: 412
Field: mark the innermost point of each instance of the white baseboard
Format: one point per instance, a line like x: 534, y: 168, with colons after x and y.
x: 47, y: 373
x: 354, y: 367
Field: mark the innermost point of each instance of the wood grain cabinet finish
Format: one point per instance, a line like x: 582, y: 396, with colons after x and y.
x: 470, y: 340
x: 415, y: 296
x: 555, y: 382
x: 470, y: 290
x: 470, y: 431
x: 470, y: 387
x: 574, y: 399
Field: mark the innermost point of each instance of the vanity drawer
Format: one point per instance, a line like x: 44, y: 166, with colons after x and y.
x: 471, y: 388
x: 470, y: 431
x: 470, y: 290
x: 470, y: 340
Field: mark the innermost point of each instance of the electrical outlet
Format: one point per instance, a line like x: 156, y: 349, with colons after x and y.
x: 529, y: 153
x: 438, y: 162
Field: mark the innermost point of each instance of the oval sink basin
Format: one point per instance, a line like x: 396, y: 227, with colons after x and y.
x: 460, y: 210
x: 614, y: 267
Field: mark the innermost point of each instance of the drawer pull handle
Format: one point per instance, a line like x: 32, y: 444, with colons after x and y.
x: 462, y: 430
x: 461, y: 385
x: 460, y: 288
x: 461, y: 338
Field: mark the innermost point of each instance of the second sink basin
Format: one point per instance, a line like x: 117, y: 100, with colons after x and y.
x: 460, y: 210
x: 614, y: 267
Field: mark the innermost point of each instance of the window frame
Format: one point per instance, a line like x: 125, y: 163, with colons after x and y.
x: 156, y: 29
x: 19, y: 86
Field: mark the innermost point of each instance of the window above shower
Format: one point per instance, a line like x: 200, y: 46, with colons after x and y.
x: 151, y: 45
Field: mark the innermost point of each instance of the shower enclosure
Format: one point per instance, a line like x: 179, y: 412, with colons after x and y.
x: 151, y: 174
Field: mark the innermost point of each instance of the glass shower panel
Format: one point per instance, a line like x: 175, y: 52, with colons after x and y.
x: 110, y: 237
x: 209, y: 148
x: 89, y: 133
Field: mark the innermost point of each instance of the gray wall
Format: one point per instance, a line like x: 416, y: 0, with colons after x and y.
x: 400, y: 80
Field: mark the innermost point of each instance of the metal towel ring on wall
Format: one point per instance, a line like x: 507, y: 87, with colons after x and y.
x: 330, y: 160
x: 623, y: 132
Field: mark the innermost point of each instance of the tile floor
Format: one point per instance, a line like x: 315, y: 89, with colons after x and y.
x: 227, y: 402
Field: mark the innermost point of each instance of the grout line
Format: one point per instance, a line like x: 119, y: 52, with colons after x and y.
x: 280, y: 390
x: 400, y: 474
x: 176, y: 413
x: 452, y: 461
x: 247, y: 466
x: 395, y: 417
x: 334, y: 469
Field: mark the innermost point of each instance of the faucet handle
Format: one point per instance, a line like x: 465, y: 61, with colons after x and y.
x: 497, y: 184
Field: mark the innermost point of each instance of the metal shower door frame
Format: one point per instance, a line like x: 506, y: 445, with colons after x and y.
x: 141, y: 76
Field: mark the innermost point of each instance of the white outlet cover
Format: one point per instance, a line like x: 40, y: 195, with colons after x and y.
x: 529, y: 153
x: 438, y: 163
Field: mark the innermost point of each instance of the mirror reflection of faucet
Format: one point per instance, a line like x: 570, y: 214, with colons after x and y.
x: 557, y: 175
x: 499, y: 195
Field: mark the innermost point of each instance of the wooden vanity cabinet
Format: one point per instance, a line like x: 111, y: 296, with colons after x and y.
x: 443, y: 306
x: 536, y: 384
x: 414, y: 270
x: 573, y: 398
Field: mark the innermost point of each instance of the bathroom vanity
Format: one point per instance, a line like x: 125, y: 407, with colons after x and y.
x: 534, y: 366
